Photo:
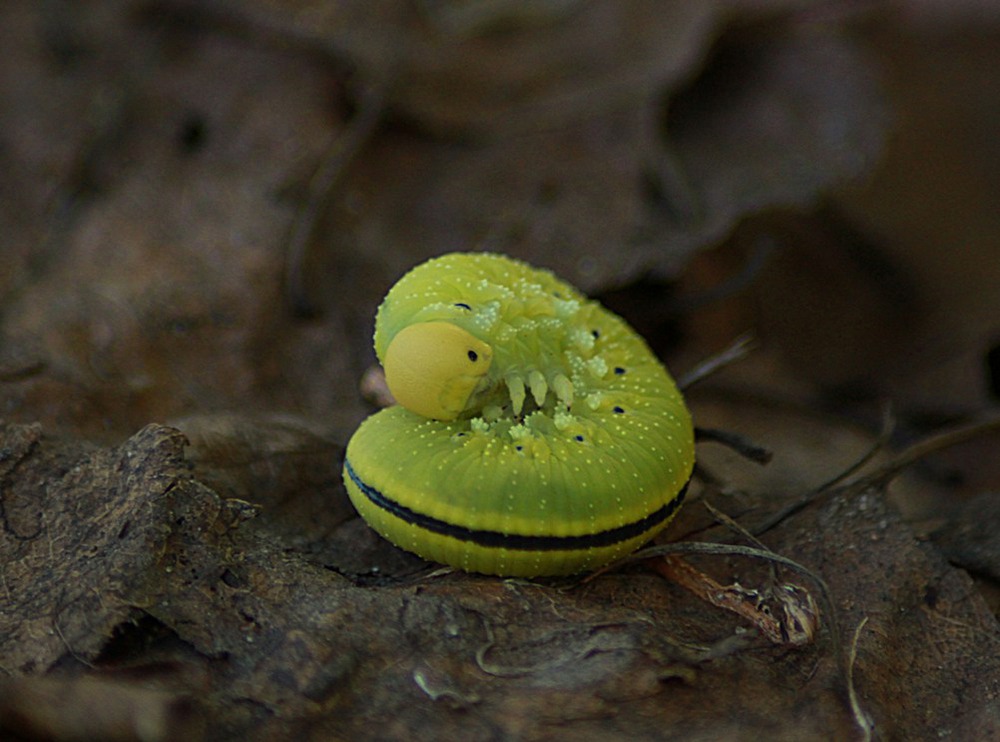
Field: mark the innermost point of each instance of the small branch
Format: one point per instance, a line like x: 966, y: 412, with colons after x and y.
x: 738, y: 443
x: 796, y: 505
x: 861, y: 718
x: 881, y: 442
x: 987, y: 425
x: 336, y: 160
x: 733, y: 526
x: 737, y: 351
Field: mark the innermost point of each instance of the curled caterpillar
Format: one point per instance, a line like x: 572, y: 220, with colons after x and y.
x: 536, y: 433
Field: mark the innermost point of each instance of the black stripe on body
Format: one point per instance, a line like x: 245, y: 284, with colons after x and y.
x: 521, y: 542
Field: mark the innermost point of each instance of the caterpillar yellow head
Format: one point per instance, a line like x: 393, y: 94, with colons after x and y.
x: 434, y: 368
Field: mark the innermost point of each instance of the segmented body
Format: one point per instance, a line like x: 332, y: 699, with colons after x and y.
x: 573, y: 449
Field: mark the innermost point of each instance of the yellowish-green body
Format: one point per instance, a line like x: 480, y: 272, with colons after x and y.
x: 562, y: 447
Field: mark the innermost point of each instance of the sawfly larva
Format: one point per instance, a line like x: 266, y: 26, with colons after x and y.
x: 536, y: 433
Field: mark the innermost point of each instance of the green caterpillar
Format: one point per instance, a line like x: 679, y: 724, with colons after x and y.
x: 536, y: 433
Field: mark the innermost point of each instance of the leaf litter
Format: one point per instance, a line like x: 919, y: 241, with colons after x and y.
x: 207, y: 577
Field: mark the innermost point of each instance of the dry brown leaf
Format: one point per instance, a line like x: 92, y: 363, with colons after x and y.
x: 154, y: 157
x: 623, y: 655
x: 610, y: 196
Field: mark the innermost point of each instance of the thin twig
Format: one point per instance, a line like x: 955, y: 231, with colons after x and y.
x: 886, y: 430
x: 988, y: 424
x: 739, y: 349
x: 796, y: 505
x: 338, y: 157
x: 736, y: 442
x: 733, y: 526
x: 862, y: 719
x: 888, y: 471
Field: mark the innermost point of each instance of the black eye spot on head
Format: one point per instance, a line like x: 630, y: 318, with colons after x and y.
x: 463, y: 305
x: 519, y: 448
x: 579, y: 438
x: 619, y: 370
x: 473, y: 356
x: 595, y: 333
x: 619, y: 410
